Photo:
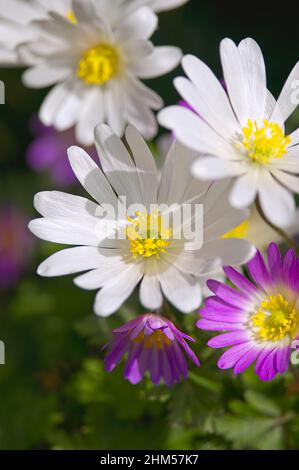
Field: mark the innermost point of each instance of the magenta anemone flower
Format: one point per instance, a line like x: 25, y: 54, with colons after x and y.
x: 261, y: 318
x: 153, y: 344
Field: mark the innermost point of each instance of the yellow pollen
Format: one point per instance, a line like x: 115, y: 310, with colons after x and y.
x: 71, y: 17
x: 147, y: 235
x: 157, y: 339
x: 240, y: 231
x: 275, y: 319
x: 98, y: 65
x: 265, y: 143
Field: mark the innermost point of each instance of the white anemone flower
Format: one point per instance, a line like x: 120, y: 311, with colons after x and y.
x: 96, y: 56
x: 163, y: 263
x: 16, y: 15
x: 241, y: 133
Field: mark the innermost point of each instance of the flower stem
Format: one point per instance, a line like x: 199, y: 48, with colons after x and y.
x: 289, y: 240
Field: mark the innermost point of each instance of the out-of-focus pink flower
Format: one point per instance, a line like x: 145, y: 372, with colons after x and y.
x: 16, y: 244
x: 48, y: 152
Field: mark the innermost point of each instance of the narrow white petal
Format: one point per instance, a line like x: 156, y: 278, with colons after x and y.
x: 245, y: 189
x: 91, y: 177
x: 74, y: 260
x: 181, y: 289
x: 289, y: 97
x: 118, y: 165
x: 150, y: 292
x: 145, y: 166
x: 193, y: 132
x: 277, y: 203
x: 115, y: 292
x: 211, y: 168
x: 289, y: 181
x: 254, y: 70
x: 231, y: 251
x: 162, y: 60
x: 54, y: 204
x: 141, y: 23
x: 235, y: 79
x: 207, y: 96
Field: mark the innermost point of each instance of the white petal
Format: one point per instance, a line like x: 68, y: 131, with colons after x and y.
x: 177, y: 184
x: 162, y: 60
x: 118, y: 165
x: 114, y: 107
x: 244, y: 190
x: 182, y: 290
x: 91, y: 176
x: 145, y: 166
x: 288, y: 99
x: 111, y: 266
x: 150, y: 292
x: 231, y: 251
x: 235, y: 79
x: 74, y: 260
x: 255, y: 73
x: 54, y: 102
x: 225, y: 223
x: 141, y: 23
x: 91, y: 114
x: 289, y: 181
x: 117, y: 290
x: 68, y: 231
x: 193, y: 132
x: 54, y: 204
x: 163, y: 5
x: 45, y: 75
x: 207, y: 96
x: 134, y: 88
x: 211, y: 168
x: 277, y: 203
x: 141, y: 117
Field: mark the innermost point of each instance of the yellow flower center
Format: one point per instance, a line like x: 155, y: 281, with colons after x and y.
x: 276, y: 318
x: 71, y: 17
x: 264, y: 143
x: 157, y: 339
x: 148, y: 237
x: 98, y: 65
x: 240, y: 231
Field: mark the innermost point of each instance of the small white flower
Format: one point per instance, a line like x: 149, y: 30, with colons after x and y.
x: 241, y: 133
x: 95, y: 55
x: 164, y: 265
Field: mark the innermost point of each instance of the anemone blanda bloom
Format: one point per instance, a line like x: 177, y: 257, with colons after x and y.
x: 48, y: 153
x: 16, y: 245
x: 95, y: 56
x: 241, y: 133
x: 153, y: 344
x: 163, y: 261
x: 16, y: 15
x: 260, y: 317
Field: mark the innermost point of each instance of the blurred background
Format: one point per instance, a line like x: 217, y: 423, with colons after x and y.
x: 55, y: 393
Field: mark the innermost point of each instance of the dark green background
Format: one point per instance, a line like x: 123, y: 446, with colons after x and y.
x: 54, y: 392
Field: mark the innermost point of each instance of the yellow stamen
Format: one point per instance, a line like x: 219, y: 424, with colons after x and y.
x: 71, y: 17
x: 148, y: 237
x: 276, y: 318
x: 265, y: 143
x: 157, y: 339
x: 240, y: 231
x: 98, y: 65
